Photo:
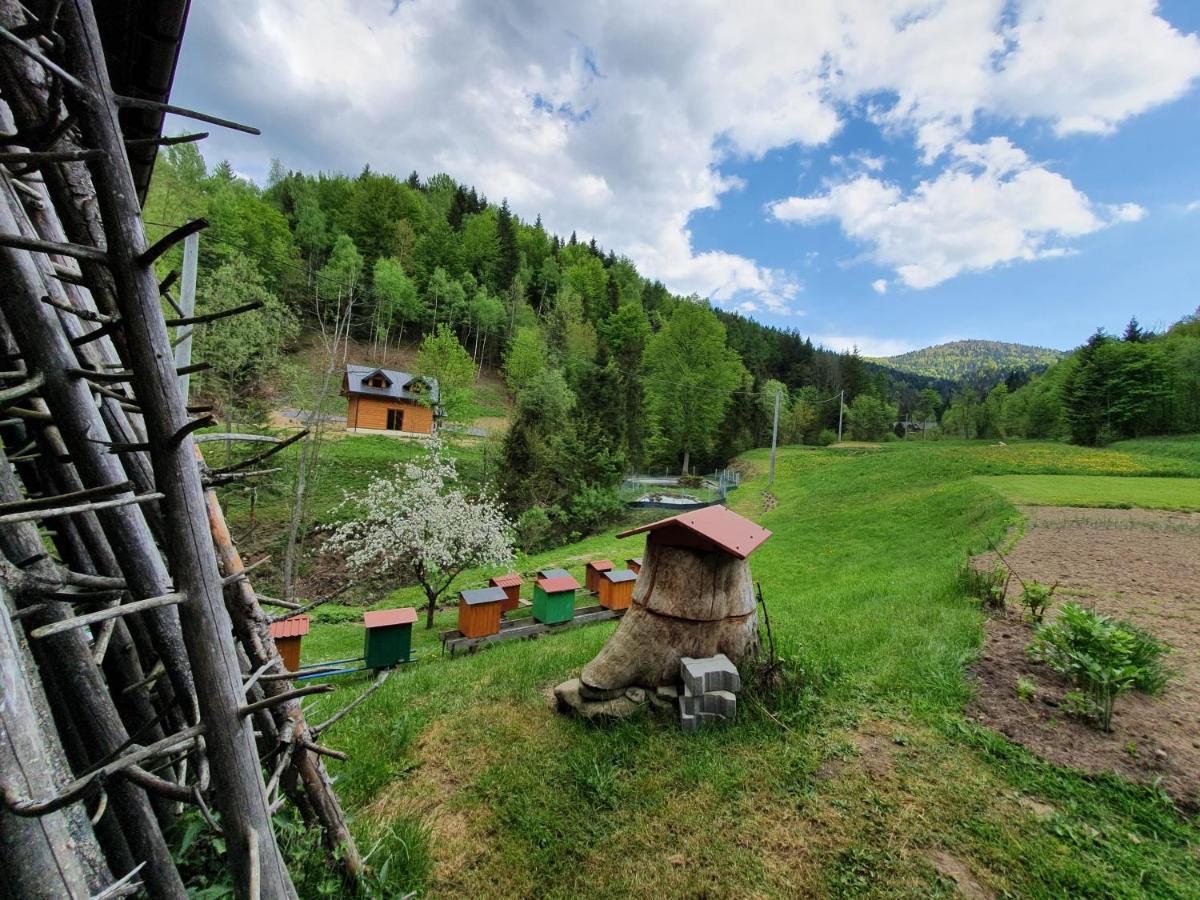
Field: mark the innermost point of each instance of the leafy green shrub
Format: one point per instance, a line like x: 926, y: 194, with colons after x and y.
x: 592, y: 507
x: 990, y: 586
x: 1103, y: 659
x: 534, y: 529
x: 826, y: 437
x: 1036, y: 597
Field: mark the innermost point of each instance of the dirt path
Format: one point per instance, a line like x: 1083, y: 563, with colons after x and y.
x: 1140, y: 565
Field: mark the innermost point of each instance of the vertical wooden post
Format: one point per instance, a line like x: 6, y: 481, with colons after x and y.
x: 239, y: 788
x: 187, y: 306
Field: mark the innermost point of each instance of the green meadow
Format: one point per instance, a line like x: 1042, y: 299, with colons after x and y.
x: 861, y: 776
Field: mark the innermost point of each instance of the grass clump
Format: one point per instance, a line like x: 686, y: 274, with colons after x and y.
x: 1103, y: 659
x: 1036, y: 598
x: 988, y: 586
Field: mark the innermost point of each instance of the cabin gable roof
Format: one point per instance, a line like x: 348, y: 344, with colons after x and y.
x: 397, y: 385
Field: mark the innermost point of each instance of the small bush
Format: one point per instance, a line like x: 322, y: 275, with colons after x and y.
x: 1102, y: 658
x: 1026, y: 689
x: 691, y: 481
x: 989, y: 586
x: 826, y: 437
x: 1036, y: 597
x: 534, y: 529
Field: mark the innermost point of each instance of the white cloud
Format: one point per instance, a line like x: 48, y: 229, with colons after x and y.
x: 866, y: 344
x: 1192, y: 207
x: 614, y: 119
x: 991, y: 206
x: 879, y: 285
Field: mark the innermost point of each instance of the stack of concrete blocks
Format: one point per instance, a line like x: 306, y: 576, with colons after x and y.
x: 709, y: 691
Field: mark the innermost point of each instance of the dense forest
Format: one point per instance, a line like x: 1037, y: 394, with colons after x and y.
x: 979, y: 361
x: 609, y: 370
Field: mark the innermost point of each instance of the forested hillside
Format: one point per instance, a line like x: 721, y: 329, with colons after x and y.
x: 1110, y: 388
x: 609, y: 370
x: 973, y: 360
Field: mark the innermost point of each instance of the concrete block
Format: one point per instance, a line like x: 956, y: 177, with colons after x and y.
x: 713, y: 673
x: 722, y: 704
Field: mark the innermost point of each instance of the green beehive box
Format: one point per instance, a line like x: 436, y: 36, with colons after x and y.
x: 388, y: 640
x: 554, y: 599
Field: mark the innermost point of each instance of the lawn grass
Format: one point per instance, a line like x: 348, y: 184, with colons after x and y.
x: 1185, y: 447
x: 862, y: 778
x: 1098, y: 490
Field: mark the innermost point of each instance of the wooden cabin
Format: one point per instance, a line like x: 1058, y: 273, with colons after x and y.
x: 479, y: 611
x: 287, y: 636
x: 634, y: 564
x: 554, y: 599
x: 593, y: 571
x: 616, y: 588
x: 511, y: 584
x: 388, y: 640
x: 388, y: 400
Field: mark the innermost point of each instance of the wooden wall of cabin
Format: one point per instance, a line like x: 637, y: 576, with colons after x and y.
x: 371, y: 412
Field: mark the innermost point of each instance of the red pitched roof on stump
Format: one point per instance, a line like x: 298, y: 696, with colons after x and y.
x: 296, y: 626
x: 711, y: 528
x: 382, y: 618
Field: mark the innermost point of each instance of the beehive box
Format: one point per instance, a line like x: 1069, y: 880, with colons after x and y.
x: 287, y: 635
x: 388, y: 638
x: 511, y: 585
x: 554, y: 599
x: 634, y: 564
x: 593, y: 571
x: 479, y: 611
x: 616, y: 588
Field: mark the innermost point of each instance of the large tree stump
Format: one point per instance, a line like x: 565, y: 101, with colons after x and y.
x: 694, y: 597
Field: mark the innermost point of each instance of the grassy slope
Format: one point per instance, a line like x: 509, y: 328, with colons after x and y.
x: 1099, y: 490
x: 858, y: 776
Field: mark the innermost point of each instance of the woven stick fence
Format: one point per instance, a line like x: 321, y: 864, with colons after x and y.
x: 137, y: 673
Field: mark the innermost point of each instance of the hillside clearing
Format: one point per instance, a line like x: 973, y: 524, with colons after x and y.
x: 865, y: 779
x: 1098, y: 491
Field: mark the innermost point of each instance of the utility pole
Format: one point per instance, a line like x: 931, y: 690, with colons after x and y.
x: 841, y: 406
x: 774, y: 438
x: 187, y: 306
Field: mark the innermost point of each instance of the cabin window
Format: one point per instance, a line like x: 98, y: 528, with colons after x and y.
x: 376, y: 382
x: 395, y: 420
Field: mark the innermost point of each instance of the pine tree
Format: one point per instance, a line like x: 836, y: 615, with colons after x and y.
x: 508, y: 263
x: 1133, y: 332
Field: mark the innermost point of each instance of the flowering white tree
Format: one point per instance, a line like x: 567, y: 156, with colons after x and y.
x: 420, y: 525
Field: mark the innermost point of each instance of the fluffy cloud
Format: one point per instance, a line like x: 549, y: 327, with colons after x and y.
x: 615, y: 118
x: 879, y: 285
x: 991, y: 206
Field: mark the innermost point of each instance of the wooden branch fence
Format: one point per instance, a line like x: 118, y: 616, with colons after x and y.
x: 137, y: 671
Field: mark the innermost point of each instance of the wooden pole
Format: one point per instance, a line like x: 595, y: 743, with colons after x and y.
x: 187, y: 306
x: 237, y: 778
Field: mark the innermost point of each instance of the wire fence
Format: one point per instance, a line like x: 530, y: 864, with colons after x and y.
x: 678, y: 492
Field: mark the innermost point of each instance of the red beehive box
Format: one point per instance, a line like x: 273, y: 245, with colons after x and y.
x: 287, y: 636
x: 634, y: 564
x: 592, y: 572
x: 511, y: 584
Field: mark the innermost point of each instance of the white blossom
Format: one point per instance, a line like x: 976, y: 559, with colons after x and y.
x: 418, y: 524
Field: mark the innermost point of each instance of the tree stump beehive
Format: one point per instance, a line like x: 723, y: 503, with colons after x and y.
x: 694, y: 597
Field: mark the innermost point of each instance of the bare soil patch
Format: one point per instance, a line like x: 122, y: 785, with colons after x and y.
x: 1139, y: 565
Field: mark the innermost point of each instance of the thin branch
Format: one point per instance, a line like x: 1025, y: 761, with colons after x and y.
x: 106, y: 490
x: 214, y: 316
x: 102, y: 615
x: 154, y: 106
x: 123, y: 886
x: 167, y: 241
x: 314, y: 604
x: 81, y: 508
x: 251, y: 708
x: 235, y: 436
x: 379, y: 680
x: 40, y: 157
x: 86, y: 314
x: 81, y: 786
x: 249, y: 461
x: 57, y: 248
x: 166, y: 141
x: 48, y: 64
x: 21, y: 390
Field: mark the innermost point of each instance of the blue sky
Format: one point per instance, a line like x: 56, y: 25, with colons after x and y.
x: 886, y: 173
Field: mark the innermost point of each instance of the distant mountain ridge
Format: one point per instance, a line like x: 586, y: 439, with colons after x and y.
x: 959, y: 360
